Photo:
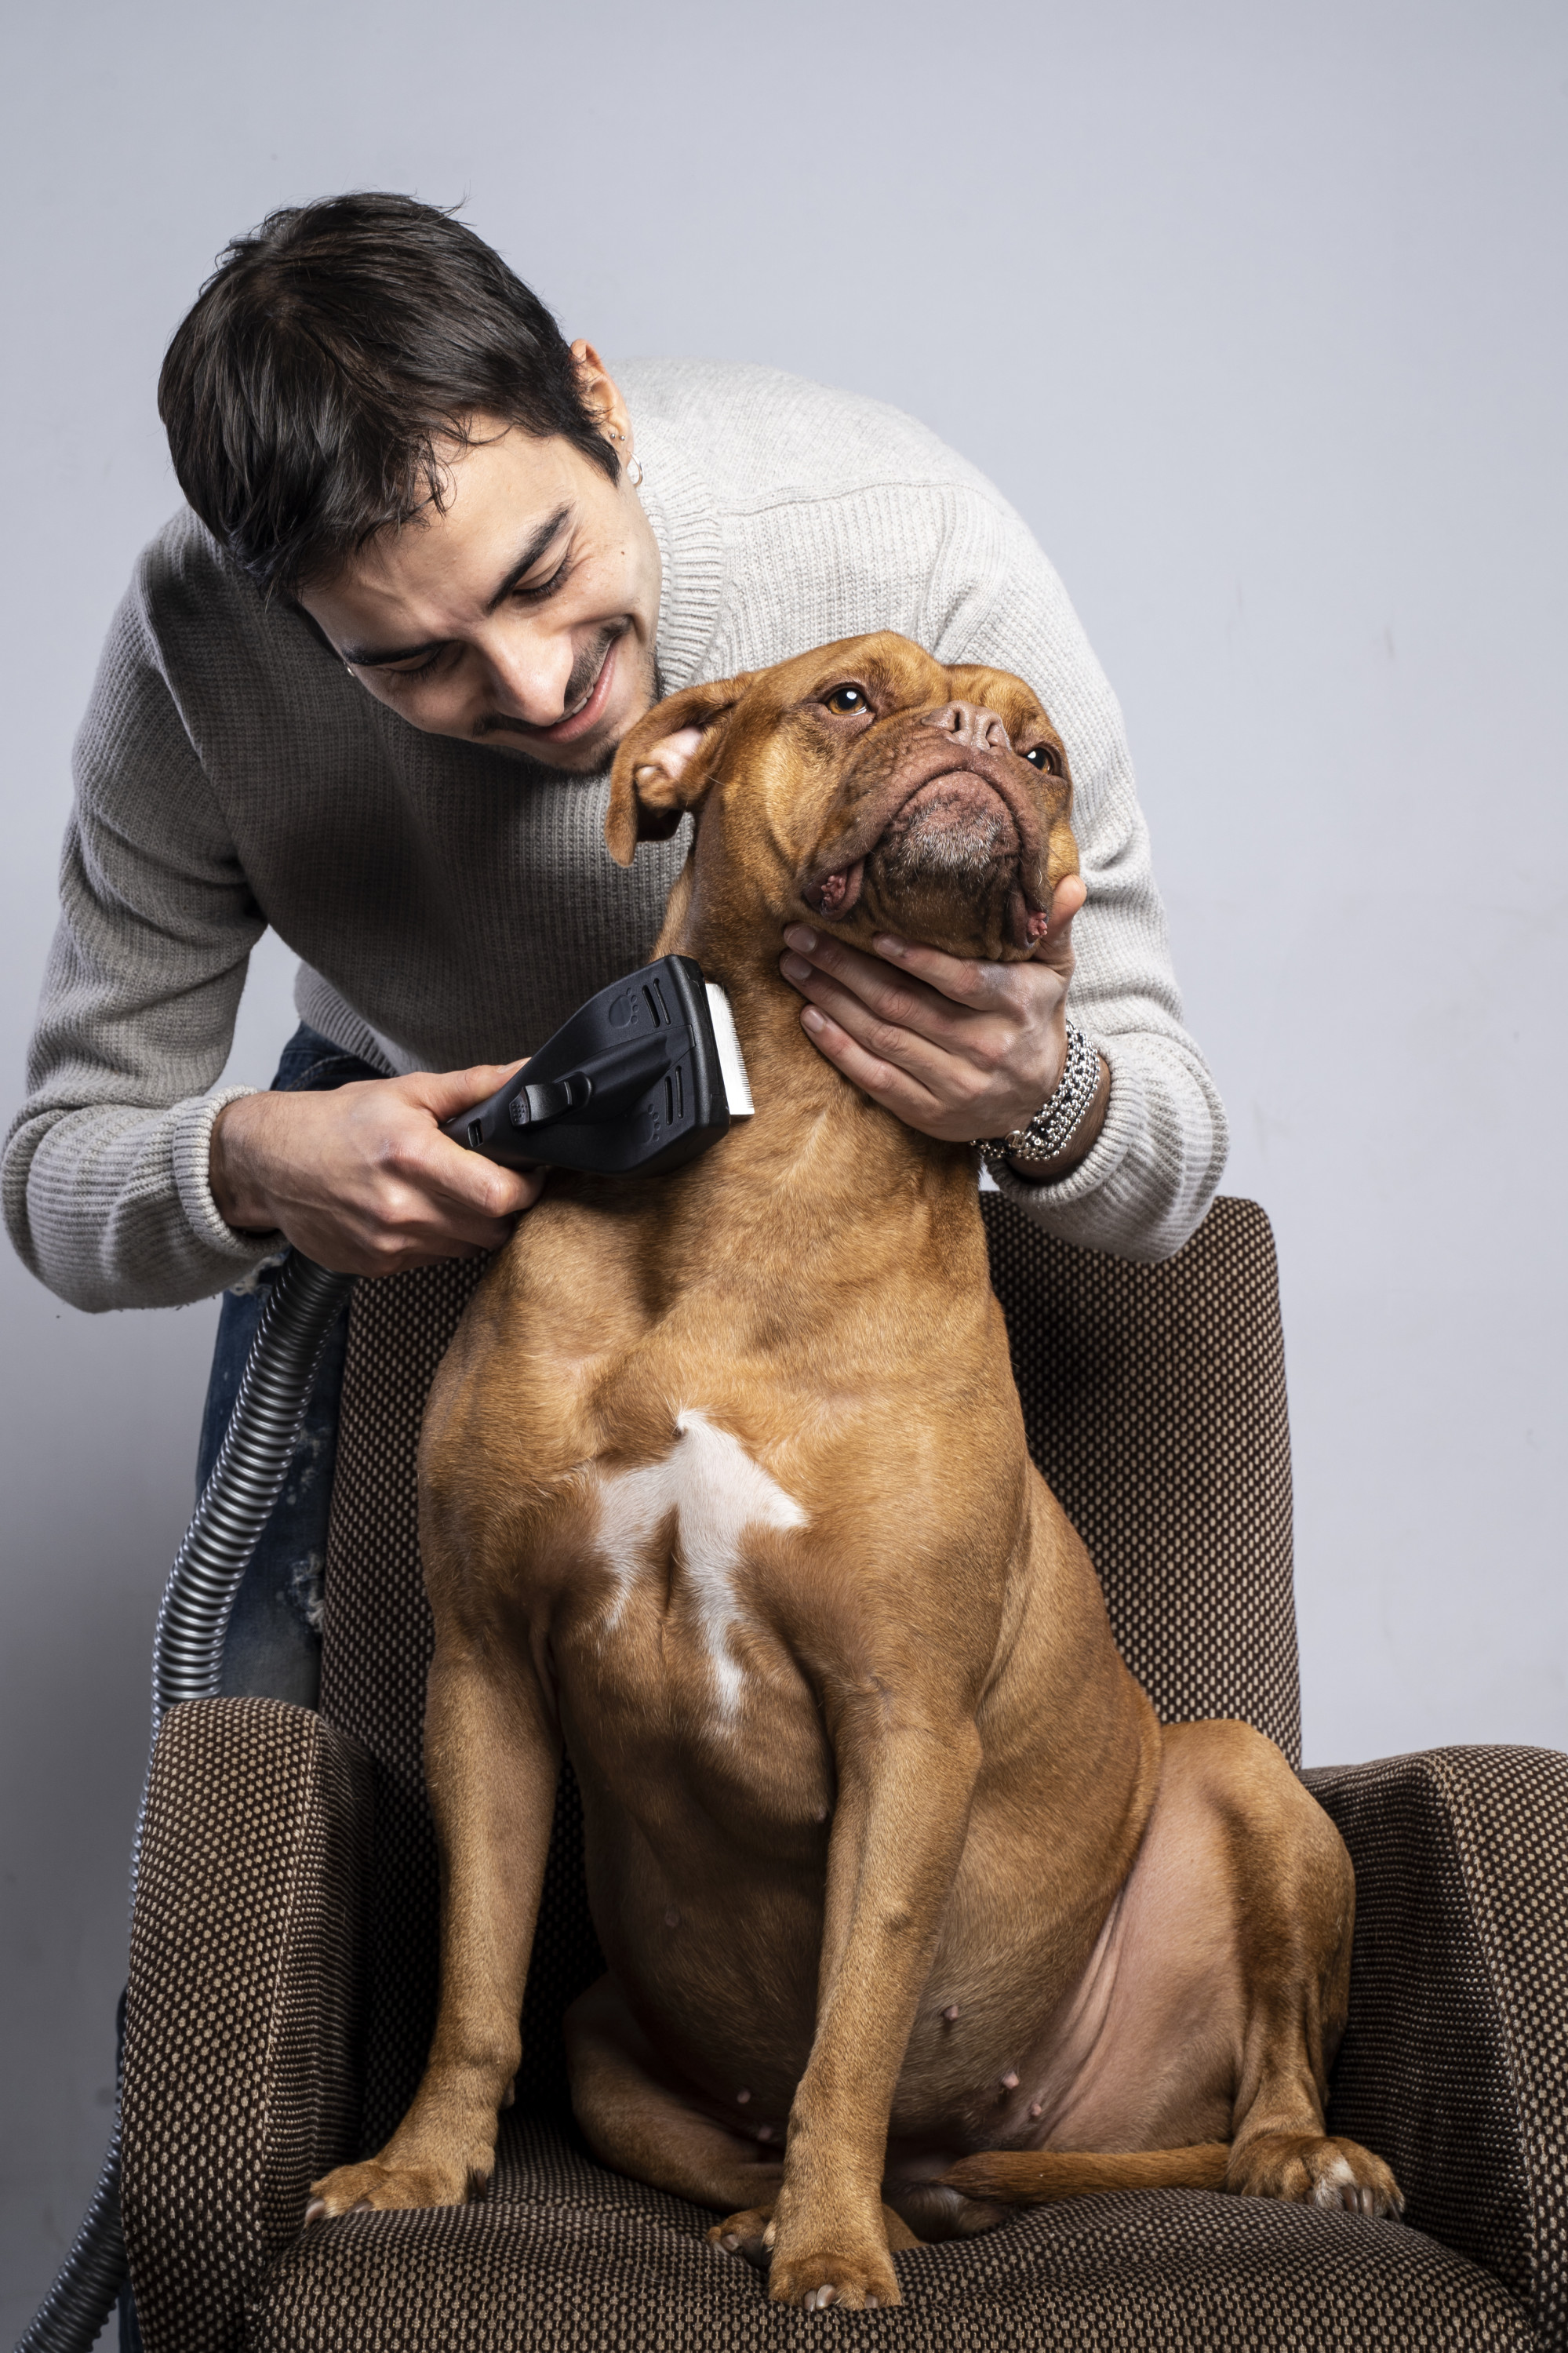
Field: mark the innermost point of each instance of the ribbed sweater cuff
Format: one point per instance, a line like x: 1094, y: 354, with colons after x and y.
x: 191, y: 1144
x: 1126, y: 1118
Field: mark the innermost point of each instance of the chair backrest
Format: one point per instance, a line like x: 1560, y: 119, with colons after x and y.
x: 1154, y: 1401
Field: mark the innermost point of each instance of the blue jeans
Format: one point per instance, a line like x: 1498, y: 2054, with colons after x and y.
x: 274, y: 1646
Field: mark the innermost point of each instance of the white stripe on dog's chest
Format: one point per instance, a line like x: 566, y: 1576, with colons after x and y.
x: 717, y: 1493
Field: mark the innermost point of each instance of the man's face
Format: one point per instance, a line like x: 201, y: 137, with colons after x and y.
x: 522, y: 614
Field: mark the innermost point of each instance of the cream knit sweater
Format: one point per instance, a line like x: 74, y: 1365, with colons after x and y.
x: 452, y: 905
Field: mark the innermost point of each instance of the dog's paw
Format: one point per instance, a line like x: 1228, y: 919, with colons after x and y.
x: 1310, y: 2169
x: 376, y: 2186
x: 821, y: 2258
x: 859, y: 2278
x: 749, y: 2234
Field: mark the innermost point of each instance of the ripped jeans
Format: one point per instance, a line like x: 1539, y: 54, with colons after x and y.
x: 272, y: 1648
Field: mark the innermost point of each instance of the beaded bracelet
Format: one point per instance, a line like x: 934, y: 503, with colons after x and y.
x: 1053, y: 1127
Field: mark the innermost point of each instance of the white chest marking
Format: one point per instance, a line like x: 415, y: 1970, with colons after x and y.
x: 717, y: 1493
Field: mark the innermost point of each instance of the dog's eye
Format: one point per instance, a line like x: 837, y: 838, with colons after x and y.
x: 1047, y: 756
x: 847, y: 701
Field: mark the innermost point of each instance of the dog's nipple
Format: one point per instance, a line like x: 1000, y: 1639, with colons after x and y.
x: 1035, y: 2111
x: 1010, y: 2080
x: 671, y: 1918
x: 764, y: 2132
x: 950, y: 2012
x: 741, y: 2098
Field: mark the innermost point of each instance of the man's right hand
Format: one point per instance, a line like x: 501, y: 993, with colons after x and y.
x: 361, y: 1178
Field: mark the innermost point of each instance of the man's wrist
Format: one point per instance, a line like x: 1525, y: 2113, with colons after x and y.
x: 1080, y: 1143
x: 237, y: 1196
x: 1063, y: 1129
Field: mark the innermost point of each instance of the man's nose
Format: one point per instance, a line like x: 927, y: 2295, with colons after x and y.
x: 529, y: 680
x: 972, y: 725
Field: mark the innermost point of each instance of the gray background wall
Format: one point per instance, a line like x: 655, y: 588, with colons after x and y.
x: 1258, y: 316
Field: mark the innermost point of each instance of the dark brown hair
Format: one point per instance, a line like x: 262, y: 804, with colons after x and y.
x: 305, y: 391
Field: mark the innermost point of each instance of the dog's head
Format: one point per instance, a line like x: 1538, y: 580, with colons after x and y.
x: 863, y: 787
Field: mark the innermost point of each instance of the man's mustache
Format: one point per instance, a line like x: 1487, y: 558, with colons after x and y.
x: 579, y: 685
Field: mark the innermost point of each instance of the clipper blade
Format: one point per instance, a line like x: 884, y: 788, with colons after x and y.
x: 732, y: 1061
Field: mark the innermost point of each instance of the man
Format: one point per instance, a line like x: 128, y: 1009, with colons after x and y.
x: 366, y: 692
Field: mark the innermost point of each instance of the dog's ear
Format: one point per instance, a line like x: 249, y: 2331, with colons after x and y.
x: 665, y: 765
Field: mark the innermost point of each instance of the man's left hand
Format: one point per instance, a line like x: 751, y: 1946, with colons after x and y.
x: 955, y: 1047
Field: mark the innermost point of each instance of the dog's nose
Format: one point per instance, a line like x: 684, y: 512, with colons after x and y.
x: 971, y: 724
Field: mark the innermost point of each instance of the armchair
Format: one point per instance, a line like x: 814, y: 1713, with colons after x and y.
x: 283, y: 1957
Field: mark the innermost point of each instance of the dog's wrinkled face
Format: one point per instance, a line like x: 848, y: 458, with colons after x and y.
x: 866, y: 787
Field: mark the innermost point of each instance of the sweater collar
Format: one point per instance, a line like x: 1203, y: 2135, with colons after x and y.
x: 691, y: 554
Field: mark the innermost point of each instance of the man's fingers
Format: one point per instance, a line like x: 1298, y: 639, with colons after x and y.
x: 979, y: 986
x: 873, y: 978
x: 482, y: 1195
x: 476, y: 1196
x: 950, y: 1068
x: 838, y: 978
x: 444, y: 1093
x: 361, y: 1177
x: 946, y: 1070
x: 895, y: 1089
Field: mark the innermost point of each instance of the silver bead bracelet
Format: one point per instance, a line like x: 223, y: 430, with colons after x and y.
x: 1053, y: 1127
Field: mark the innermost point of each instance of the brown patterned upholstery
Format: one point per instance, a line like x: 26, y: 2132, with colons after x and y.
x: 1155, y: 1403
x: 1455, y: 2065
x: 1154, y: 1400
x: 241, y: 2077
x: 564, y: 2255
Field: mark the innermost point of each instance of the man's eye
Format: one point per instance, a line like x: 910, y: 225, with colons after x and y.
x: 847, y: 701
x: 1047, y: 756
x: 534, y: 592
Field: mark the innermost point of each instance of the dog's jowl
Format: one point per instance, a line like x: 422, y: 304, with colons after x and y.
x: 913, y: 1911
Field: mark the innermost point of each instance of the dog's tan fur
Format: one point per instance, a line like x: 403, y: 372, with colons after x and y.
x: 905, y: 1895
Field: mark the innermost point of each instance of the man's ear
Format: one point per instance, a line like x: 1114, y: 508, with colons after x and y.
x: 665, y: 765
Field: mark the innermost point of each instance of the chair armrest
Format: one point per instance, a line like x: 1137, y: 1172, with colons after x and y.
x: 241, y: 2078
x: 1455, y: 2064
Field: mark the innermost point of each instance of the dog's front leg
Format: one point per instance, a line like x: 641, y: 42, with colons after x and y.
x: 493, y: 1762
x: 905, y: 1788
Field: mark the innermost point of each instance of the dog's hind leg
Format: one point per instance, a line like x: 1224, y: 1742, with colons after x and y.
x: 634, y: 2118
x: 1272, y: 1909
x: 1294, y: 1902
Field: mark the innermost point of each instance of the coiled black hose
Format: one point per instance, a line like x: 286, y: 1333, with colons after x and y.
x: 187, y: 1656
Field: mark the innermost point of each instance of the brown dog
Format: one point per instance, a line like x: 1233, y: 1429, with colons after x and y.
x: 906, y: 1895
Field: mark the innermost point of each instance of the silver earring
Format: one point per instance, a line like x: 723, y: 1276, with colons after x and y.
x: 634, y: 471
x: 613, y: 434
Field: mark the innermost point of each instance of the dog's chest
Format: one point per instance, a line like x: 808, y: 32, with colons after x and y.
x: 677, y: 1537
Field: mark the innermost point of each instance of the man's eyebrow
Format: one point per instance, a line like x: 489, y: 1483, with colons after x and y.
x: 530, y: 556
x: 377, y: 657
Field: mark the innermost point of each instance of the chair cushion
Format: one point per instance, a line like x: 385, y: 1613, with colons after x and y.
x: 565, y: 2255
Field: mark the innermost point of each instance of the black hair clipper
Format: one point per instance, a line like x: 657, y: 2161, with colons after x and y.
x: 645, y: 1075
